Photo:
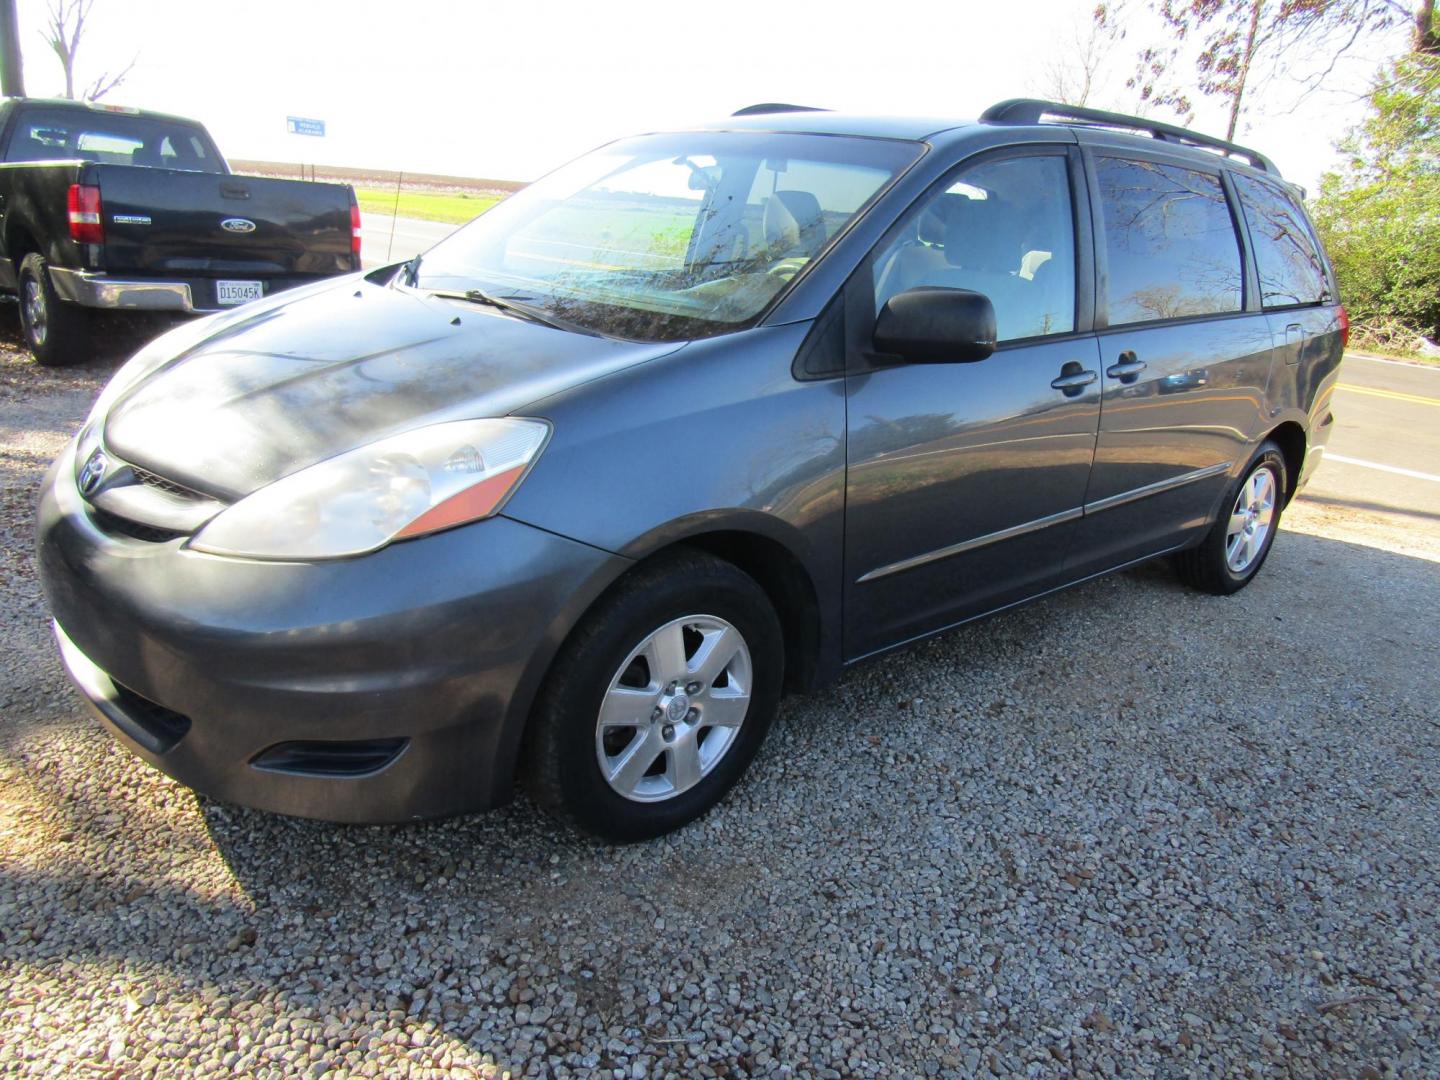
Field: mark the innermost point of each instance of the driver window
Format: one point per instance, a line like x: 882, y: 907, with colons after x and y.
x: 1002, y: 228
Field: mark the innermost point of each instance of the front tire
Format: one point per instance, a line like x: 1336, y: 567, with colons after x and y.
x: 659, y: 700
x: 1236, y: 546
x: 57, y: 333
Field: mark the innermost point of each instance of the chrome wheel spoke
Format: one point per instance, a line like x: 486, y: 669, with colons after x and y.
x: 725, y: 709
x: 715, y: 653
x: 627, y: 707
x: 682, y: 766
x: 665, y: 653
x: 635, y: 760
x: 1237, y: 522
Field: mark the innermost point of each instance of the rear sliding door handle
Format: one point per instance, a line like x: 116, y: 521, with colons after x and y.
x: 1127, y: 369
x: 1073, y: 379
x: 1294, y: 342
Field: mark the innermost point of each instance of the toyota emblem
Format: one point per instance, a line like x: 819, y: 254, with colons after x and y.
x: 93, y: 472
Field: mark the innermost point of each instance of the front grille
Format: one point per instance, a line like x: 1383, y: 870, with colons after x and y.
x: 136, y: 530
x: 162, y: 727
x: 150, y: 479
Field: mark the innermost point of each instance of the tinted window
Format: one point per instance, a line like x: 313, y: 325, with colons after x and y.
x: 1003, y: 228
x: 114, y: 138
x: 1285, y: 253
x: 1170, y: 240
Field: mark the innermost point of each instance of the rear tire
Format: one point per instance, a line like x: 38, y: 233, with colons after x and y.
x: 1237, y: 544
x: 56, y: 332
x: 626, y: 748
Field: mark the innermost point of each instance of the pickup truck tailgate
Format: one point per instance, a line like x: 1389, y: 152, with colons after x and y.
x: 168, y: 221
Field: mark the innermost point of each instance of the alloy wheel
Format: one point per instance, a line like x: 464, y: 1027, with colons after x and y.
x: 36, y: 316
x: 674, y: 708
x: 1250, y: 520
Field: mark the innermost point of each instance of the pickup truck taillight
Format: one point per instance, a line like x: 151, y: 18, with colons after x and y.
x: 354, y: 226
x: 83, y: 205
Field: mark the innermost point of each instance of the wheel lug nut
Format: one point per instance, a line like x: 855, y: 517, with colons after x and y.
x: 692, y: 688
x: 671, y: 688
x: 693, y: 715
x: 668, y: 731
x: 656, y: 713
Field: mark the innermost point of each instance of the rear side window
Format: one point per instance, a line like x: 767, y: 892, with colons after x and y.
x: 1170, y: 242
x: 1291, y: 271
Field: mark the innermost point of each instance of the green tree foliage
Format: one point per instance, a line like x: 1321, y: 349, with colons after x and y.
x: 1379, y: 214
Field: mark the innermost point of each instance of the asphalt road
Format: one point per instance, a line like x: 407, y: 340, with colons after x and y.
x: 382, y: 244
x: 1384, y: 456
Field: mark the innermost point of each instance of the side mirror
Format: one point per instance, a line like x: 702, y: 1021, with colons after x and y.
x: 937, y: 325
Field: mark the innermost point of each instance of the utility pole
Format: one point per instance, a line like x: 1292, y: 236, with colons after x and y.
x: 12, y: 78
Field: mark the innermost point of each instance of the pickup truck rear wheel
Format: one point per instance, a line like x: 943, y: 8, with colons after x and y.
x: 57, y: 333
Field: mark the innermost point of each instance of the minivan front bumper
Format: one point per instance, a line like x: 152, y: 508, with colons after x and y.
x: 389, y: 687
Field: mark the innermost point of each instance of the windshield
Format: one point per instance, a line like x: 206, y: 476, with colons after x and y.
x: 667, y: 237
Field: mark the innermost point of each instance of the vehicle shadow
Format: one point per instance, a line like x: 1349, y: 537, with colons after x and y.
x: 1370, y: 506
x: 958, y: 784
x: 113, y: 339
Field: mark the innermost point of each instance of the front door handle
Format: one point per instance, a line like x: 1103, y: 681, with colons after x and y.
x: 1073, y: 379
x: 1127, y: 369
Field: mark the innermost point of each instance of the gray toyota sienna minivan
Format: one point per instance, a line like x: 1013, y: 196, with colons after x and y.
x: 697, y: 419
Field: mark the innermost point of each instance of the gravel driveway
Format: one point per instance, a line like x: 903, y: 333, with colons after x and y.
x: 1130, y: 830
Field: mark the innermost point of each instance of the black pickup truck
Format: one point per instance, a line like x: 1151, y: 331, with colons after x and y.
x: 110, y: 209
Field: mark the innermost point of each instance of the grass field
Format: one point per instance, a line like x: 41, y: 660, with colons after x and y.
x: 454, y: 208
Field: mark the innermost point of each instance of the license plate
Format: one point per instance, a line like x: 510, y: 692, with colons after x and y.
x: 238, y: 292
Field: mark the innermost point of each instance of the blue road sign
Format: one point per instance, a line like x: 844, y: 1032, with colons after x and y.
x: 303, y: 125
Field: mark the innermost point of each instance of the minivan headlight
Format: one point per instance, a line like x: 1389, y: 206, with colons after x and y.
x: 419, y: 482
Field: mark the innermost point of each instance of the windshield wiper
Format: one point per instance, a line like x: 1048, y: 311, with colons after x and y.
x: 513, y: 304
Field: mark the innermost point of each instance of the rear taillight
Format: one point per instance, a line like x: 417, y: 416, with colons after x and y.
x: 354, y: 227
x: 1344, y: 327
x: 83, y: 206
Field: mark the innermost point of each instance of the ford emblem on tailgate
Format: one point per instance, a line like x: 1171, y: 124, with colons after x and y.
x: 237, y: 224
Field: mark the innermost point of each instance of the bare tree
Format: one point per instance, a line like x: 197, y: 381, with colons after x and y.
x: 1076, y: 76
x: 1234, y: 36
x: 63, y: 33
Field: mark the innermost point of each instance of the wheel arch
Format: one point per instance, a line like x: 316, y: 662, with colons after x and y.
x: 1289, y: 436
x: 752, y: 547
x: 772, y: 552
x: 19, y: 242
x: 789, y: 586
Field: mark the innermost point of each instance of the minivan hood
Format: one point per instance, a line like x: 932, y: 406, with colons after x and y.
x: 330, y: 371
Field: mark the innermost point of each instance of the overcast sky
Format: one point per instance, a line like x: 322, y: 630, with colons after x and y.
x: 511, y: 90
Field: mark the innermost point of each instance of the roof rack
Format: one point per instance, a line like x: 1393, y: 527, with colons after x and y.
x: 775, y: 107
x: 1034, y: 111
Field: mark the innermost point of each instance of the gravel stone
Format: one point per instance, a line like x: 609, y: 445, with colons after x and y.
x: 1127, y: 831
